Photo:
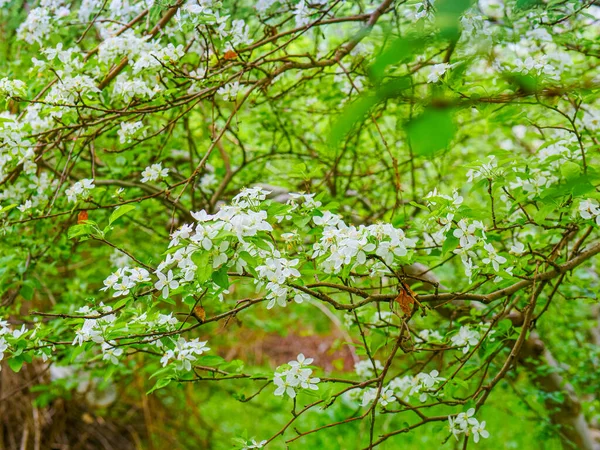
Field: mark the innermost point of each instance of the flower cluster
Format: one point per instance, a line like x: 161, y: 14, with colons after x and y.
x: 125, y: 279
x: 465, y: 423
x: 185, y: 353
x: 366, y: 369
x: 230, y: 91
x: 12, y: 88
x: 80, y: 190
x: 295, y: 376
x: 154, y: 172
x: 420, y: 386
x: 94, y: 329
x: 347, y: 245
x: 128, y: 131
x: 465, y: 338
x: 590, y: 210
x: 278, y: 271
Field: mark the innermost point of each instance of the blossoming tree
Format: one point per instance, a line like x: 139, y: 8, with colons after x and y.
x: 417, y: 179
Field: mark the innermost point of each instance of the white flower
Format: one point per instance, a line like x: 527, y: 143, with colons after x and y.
x: 184, y: 353
x: 437, y: 71
x: 3, y: 347
x: 25, y: 206
x: 494, y: 258
x: 165, y: 283
x: 589, y: 209
x: 466, y: 233
x: 465, y: 419
x: 230, y: 91
x: 139, y: 275
x: 430, y: 335
x: 517, y: 249
x: 123, y: 287
x: 254, y: 444
x: 364, y: 368
x: 19, y: 332
x: 154, y: 172
x: 110, y: 352
x: 387, y: 396
x: 465, y: 338
x: 479, y: 430
x: 128, y: 131
x: 80, y: 189
x: 89, y: 331
x: 302, y: 14
x: 454, y: 427
x: 368, y: 396
x: 297, y: 376
x: 285, y: 384
x: 12, y: 88
x: 300, y: 362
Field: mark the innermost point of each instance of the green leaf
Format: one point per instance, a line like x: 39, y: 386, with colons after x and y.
x: 161, y: 383
x: 8, y: 208
x: 16, y: 363
x: 121, y: 302
x: 356, y: 112
x: 26, y: 291
x: 416, y: 205
x: 569, y: 169
x: 251, y: 260
x: 120, y: 211
x: 221, y: 278
x: 447, y: 16
x: 78, y: 230
x: 168, y: 300
x: 400, y: 50
x: 544, y: 212
x: 431, y: 131
x: 211, y: 360
x: 450, y: 243
x: 527, y: 4
x: 202, y: 261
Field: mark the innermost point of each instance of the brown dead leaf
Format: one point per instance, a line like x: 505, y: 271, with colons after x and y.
x: 199, y: 313
x: 82, y: 217
x: 406, y: 299
x: 229, y: 55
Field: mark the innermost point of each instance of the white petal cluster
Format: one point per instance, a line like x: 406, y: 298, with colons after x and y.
x: 486, y: 170
x: 185, y: 353
x: 12, y: 88
x: 590, y: 210
x: 296, y: 376
x: 110, y: 352
x: 125, y: 279
x: 420, y: 386
x: 465, y: 423
x: 230, y: 91
x: 128, y: 88
x: 276, y: 272
x: 4, y: 330
x: 437, y: 71
x: 94, y: 329
x: 217, y: 234
x: 128, y: 131
x: 365, y: 369
x: 465, y: 338
x: 143, y: 54
x: 348, y: 245
x: 154, y: 172
x: 493, y: 257
x: 80, y: 190
x: 254, y: 444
